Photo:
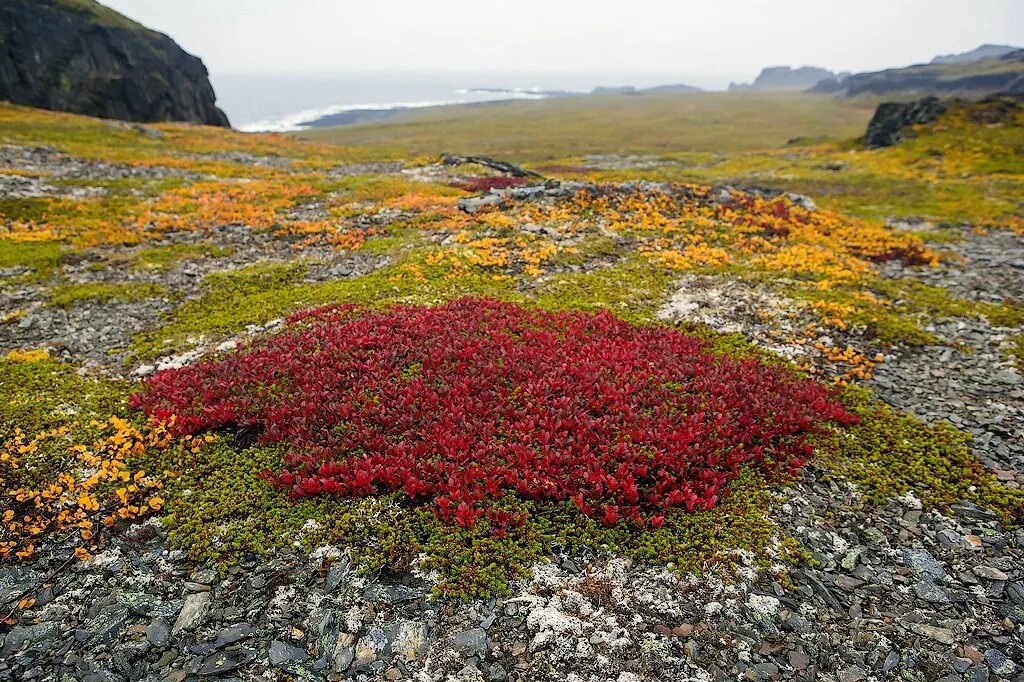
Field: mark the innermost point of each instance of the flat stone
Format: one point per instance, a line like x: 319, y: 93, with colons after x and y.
x: 923, y: 563
x: 280, y: 653
x: 989, y: 573
x: 1000, y: 663
x: 158, y: 633
x: 221, y: 662
x: 471, y: 642
x: 193, y: 611
x: 929, y: 591
x: 848, y: 583
x: 944, y: 635
x: 410, y: 640
x: 234, y: 633
x: 799, y: 660
x: 852, y: 674
x: 683, y: 630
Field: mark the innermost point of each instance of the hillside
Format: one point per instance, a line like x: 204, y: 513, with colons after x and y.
x: 981, y: 52
x: 650, y: 123
x: 971, y: 79
x: 82, y: 57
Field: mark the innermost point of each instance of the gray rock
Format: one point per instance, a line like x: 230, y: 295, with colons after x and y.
x: 944, y: 635
x: 222, y: 662
x: 193, y: 612
x: 929, y: 591
x: 158, y: 633
x: 370, y: 647
x: 36, y: 638
x: 852, y: 674
x: 280, y: 653
x: 923, y: 563
x: 990, y: 573
x: 1000, y: 663
x: 471, y: 642
x: 410, y: 640
x: 100, y: 64
x: 799, y: 660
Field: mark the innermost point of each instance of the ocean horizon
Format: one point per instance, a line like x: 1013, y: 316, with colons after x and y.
x: 289, y: 102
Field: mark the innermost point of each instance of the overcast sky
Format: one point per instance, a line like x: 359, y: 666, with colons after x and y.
x: 729, y: 37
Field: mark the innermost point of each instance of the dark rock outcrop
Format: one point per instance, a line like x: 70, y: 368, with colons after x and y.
x: 786, y: 78
x: 892, y: 119
x: 78, y: 56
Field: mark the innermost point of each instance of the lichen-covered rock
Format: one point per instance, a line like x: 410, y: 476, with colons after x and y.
x: 78, y: 56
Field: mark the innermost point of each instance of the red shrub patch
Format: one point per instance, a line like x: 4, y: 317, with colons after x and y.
x: 468, y: 401
x: 486, y: 184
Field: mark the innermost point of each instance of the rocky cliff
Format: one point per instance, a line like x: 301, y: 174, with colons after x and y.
x: 78, y: 56
x: 786, y: 78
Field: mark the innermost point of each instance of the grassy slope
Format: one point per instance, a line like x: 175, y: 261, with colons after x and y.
x: 651, y: 124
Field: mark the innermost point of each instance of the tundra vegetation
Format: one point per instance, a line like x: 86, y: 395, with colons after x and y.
x: 439, y: 366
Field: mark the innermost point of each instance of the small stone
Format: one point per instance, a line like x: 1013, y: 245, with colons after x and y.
x: 497, y: 673
x: 852, y: 674
x: 848, y: 583
x: 410, y: 640
x: 221, y: 662
x: 944, y: 635
x: 799, y: 660
x: 961, y: 664
x: 471, y: 642
x: 923, y: 563
x: 683, y: 630
x: 989, y: 573
x: 158, y: 633
x: 280, y: 653
x: 1000, y: 663
x: 929, y: 591
x: 193, y: 611
x: 234, y: 633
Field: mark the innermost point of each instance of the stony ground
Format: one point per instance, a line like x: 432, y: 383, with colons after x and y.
x: 893, y: 592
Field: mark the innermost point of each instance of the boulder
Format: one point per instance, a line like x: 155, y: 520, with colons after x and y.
x: 892, y: 119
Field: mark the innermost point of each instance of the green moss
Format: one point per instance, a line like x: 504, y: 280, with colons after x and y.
x: 632, y: 289
x: 1015, y: 351
x: 66, y: 295
x: 383, y: 245
x: 165, y: 257
x: 598, y: 246
x: 40, y: 257
x: 25, y: 209
x: 259, y: 293
x: 218, y: 509
x: 916, y: 298
x: 126, y: 186
x: 47, y: 394
x: 890, y: 454
x: 44, y: 395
